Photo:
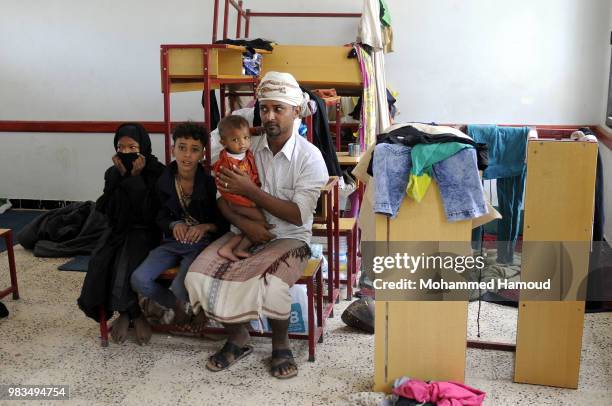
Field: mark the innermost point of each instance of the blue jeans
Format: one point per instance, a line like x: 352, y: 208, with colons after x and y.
x: 168, y: 255
x: 457, y: 178
x: 460, y: 186
x: 391, y: 168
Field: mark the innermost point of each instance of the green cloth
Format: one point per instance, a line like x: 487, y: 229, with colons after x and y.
x: 424, y: 156
x: 385, y: 14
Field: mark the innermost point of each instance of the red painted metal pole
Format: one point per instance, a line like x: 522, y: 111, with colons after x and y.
x: 311, y: 321
x: 337, y: 15
x: 215, y: 21
x: 338, y: 126
x: 225, y: 17
x: 247, y: 25
x: 103, y: 327
x: 206, y: 102
x: 330, y: 251
x: 222, y: 99
x: 239, y: 22
x: 309, y: 134
x: 8, y: 238
x: 336, y: 214
x: 166, y: 91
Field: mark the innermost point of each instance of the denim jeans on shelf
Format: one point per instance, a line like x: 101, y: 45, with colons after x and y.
x: 460, y: 186
x: 169, y: 254
x: 457, y: 178
x: 391, y: 169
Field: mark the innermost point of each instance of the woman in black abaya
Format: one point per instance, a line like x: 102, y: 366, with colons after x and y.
x: 130, y: 204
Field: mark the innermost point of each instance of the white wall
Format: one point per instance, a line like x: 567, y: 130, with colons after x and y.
x: 519, y: 61
x: 455, y: 61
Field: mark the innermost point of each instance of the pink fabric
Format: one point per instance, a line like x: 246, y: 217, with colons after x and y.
x: 440, y: 393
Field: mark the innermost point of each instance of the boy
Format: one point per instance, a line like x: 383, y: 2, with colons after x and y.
x: 189, y: 218
x: 236, y: 140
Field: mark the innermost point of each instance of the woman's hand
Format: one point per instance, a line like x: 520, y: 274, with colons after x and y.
x: 139, y: 165
x: 119, y: 165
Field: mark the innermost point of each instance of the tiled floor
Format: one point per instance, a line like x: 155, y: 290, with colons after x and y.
x: 47, y: 340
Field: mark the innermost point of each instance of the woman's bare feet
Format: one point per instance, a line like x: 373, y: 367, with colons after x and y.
x: 143, y: 330
x: 119, y: 328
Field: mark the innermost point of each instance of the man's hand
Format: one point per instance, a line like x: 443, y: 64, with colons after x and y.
x: 139, y: 165
x: 235, y: 181
x: 179, y: 231
x: 119, y: 165
x: 256, y: 232
x: 196, y: 233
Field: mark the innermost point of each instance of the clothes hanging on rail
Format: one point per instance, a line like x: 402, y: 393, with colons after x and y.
x: 507, y: 151
x: 368, y: 113
x: 412, y: 134
x: 322, y: 138
x: 372, y: 58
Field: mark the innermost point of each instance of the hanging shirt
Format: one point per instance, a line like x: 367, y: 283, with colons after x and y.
x: 507, y: 149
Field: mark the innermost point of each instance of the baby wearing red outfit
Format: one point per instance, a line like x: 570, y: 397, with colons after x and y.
x: 236, y: 138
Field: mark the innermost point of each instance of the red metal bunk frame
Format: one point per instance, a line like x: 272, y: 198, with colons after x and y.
x: 247, y: 14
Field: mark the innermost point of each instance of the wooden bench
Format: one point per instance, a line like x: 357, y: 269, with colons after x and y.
x: 311, y: 277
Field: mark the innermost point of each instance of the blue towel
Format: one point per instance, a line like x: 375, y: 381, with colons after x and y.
x: 507, y: 149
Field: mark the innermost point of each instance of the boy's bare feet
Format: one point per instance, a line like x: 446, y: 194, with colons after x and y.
x: 143, y: 330
x: 119, y: 328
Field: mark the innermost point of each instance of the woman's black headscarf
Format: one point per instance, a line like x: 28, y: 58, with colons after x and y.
x: 139, y: 134
x: 114, y: 202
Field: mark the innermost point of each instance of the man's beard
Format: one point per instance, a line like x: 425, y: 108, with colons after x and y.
x: 273, y: 130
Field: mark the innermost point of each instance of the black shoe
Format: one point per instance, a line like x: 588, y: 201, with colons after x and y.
x: 3, y: 310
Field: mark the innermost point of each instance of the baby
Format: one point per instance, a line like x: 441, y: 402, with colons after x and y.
x: 236, y: 140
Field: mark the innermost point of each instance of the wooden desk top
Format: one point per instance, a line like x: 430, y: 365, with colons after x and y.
x: 345, y: 160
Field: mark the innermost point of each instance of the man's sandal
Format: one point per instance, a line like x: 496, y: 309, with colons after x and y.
x: 219, y: 357
x: 287, y: 355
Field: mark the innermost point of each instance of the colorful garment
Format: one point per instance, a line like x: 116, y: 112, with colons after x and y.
x: 246, y: 165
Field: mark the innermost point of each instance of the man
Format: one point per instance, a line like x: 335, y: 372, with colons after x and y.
x: 292, y: 172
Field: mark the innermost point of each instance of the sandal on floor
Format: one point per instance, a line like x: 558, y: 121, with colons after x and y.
x: 219, y: 357
x: 287, y: 355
